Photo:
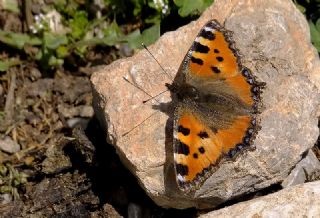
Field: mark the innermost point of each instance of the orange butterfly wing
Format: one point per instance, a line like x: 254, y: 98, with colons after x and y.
x: 216, y: 113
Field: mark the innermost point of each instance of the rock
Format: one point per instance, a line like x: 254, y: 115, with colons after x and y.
x: 81, y: 89
x: 82, y: 122
x: 297, y: 201
x: 73, y: 111
x: 307, y: 167
x: 39, y: 88
x: 9, y: 146
x: 55, y: 161
x: 273, y: 38
x: 5, y: 198
x: 35, y: 74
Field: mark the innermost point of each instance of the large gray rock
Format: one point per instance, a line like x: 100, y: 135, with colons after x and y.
x: 273, y: 38
x: 297, y: 201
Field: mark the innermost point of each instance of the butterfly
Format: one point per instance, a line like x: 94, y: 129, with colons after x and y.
x: 217, y: 104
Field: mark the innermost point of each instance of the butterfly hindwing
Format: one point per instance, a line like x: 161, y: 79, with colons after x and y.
x: 198, y: 147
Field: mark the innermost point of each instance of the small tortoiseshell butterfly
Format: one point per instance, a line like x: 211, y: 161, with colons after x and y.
x: 217, y: 105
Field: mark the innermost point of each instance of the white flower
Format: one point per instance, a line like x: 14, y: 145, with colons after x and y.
x: 161, y: 5
x: 37, y: 18
x: 40, y: 26
x: 33, y: 29
x: 42, y: 16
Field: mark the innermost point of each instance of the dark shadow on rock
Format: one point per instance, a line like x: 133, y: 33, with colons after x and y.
x: 110, y: 180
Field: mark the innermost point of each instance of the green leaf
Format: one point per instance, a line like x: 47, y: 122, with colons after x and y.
x: 147, y: 37
x: 18, y: 40
x: 113, y: 30
x: 62, y: 51
x: 5, y: 65
x: 53, y: 41
x: 81, y: 50
x: 112, y: 34
x: 318, y: 24
x: 11, y: 5
x: 300, y: 7
x: 151, y: 34
x: 2, y: 115
x: 153, y: 19
x: 138, y: 5
x: 79, y: 24
x: 315, y: 35
x: 53, y: 61
x: 133, y: 39
x: 67, y: 7
x: 192, y: 7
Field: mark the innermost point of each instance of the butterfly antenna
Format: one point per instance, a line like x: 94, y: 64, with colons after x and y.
x: 145, y: 101
x: 138, y: 124
x: 151, y: 97
x: 145, y: 47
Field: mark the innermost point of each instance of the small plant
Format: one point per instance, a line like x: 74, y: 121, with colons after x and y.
x: 69, y: 28
x: 315, y: 34
x: 192, y: 7
x: 11, y: 179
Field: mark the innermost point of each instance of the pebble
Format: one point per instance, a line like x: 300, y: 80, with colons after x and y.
x: 9, y: 146
x: 5, y: 198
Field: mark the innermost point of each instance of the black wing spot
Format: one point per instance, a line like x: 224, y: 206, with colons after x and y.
x: 181, y: 169
x: 184, y: 131
x: 203, y: 135
x: 220, y: 59
x: 216, y: 51
x: 182, y: 148
x: 195, y: 155
x: 198, y: 47
x: 207, y: 35
x: 215, y: 69
x: 197, y: 60
x: 201, y: 150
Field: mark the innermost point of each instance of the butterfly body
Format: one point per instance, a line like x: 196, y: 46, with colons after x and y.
x: 217, y: 101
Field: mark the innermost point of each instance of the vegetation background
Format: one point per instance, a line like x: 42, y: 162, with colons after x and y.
x: 56, y: 30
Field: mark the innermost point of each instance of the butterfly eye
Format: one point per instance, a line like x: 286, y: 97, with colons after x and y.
x: 194, y: 93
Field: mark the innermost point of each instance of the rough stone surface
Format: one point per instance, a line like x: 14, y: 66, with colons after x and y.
x: 296, y: 201
x: 305, y: 169
x: 273, y: 38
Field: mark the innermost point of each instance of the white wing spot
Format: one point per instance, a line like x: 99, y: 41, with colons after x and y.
x: 180, y: 178
x: 208, y: 29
